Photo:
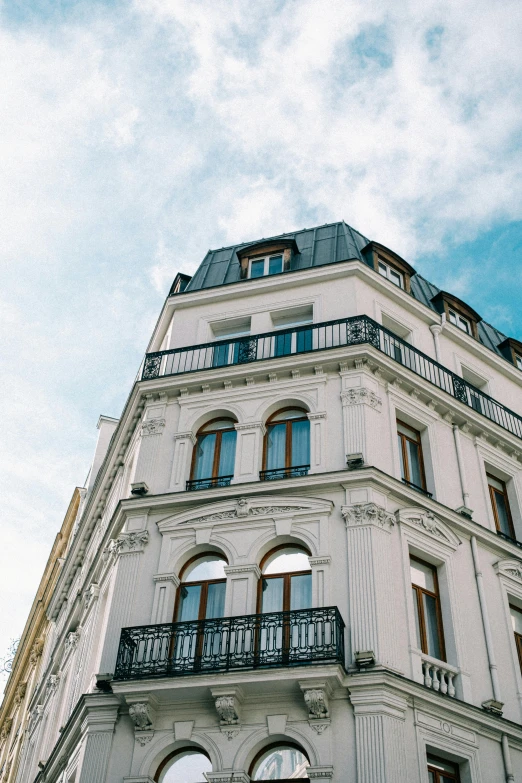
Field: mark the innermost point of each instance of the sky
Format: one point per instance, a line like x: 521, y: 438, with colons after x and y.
x: 136, y: 135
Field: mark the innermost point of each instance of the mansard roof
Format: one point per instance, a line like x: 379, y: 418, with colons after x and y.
x: 327, y: 244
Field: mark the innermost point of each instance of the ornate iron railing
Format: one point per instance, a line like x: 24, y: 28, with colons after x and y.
x: 254, y: 641
x: 417, y: 488
x: 208, y: 483
x: 280, y: 473
x: 356, y: 330
x: 512, y: 540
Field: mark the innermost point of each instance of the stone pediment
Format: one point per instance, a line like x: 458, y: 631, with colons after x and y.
x: 248, y: 509
x: 510, y: 568
x: 427, y: 523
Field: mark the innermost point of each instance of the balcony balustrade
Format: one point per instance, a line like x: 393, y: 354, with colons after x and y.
x: 281, y: 473
x: 256, y: 641
x: 357, y: 330
x: 439, y: 676
x: 417, y: 488
x: 208, y: 483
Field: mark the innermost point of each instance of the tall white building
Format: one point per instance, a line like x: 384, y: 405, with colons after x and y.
x: 299, y: 554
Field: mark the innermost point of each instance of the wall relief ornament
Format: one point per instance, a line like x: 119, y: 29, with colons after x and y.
x: 141, y: 716
x: 71, y: 641
x: 36, y: 651
x: 244, y: 509
x: 6, y: 729
x: 20, y: 693
x: 510, y: 568
x: 127, y: 543
x: 317, y: 702
x: 426, y: 521
x: 367, y: 514
x: 227, y: 709
x: 152, y: 427
x: 361, y: 396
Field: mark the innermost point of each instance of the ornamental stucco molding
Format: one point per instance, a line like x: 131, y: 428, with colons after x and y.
x: 512, y: 569
x: 20, y: 693
x: 152, y: 427
x: 185, y: 436
x: 36, y: 651
x: 141, y: 715
x: 360, y: 395
x: 320, y: 560
x: 228, y: 707
x: 128, y: 543
x: 6, y: 729
x: 71, y: 641
x: 367, y: 514
x: 244, y: 509
x: 427, y: 523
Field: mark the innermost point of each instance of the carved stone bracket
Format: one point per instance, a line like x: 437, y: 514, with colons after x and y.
x: 127, y: 543
x: 93, y: 591
x: 52, y: 684
x: 228, y: 707
x: 315, y: 694
x: 367, y: 514
x: 141, y: 715
x: 71, y: 641
x: 361, y: 396
x: 36, y: 651
x: 152, y: 427
x: 6, y: 729
x: 20, y: 693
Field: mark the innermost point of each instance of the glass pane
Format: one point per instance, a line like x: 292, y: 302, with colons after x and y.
x: 413, y: 457
x: 272, y: 597
x: 463, y: 324
x: 275, y: 265
x: 220, y: 355
x: 396, y: 278
x: 301, y: 591
x: 518, y: 362
x: 401, y: 458
x: 257, y: 268
x: 227, y: 454
x: 431, y: 777
x: 205, y: 446
x: 290, y: 413
x: 422, y: 575
x: 220, y: 424
x: 416, y: 615
x: 452, y: 317
x: 215, y: 600
x: 432, y: 627
x: 300, y: 443
x: 382, y: 269
x: 516, y: 619
x: 283, y: 344
x: 281, y: 763
x: 188, y: 767
x: 502, y: 512
x: 443, y: 766
x: 189, y: 602
x: 304, y: 340
x: 286, y: 561
x: 408, y: 431
x: 276, y: 446
x: 206, y: 567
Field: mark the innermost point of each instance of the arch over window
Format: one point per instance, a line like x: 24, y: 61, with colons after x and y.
x: 214, y: 454
x: 187, y: 765
x: 286, y: 581
x: 281, y: 761
x: 287, y: 444
x: 201, y: 594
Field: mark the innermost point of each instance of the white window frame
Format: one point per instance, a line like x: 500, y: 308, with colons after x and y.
x: 518, y: 361
x: 458, y: 320
x: 386, y: 270
x: 266, y: 260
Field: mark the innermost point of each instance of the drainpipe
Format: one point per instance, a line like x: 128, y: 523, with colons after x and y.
x: 436, y: 329
x: 462, y: 474
x: 510, y: 777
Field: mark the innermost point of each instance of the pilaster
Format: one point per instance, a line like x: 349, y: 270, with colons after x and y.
x: 361, y: 414
x: 249, y: 451
x: 241, y: 592
x: 164, y: 595
x: 98, y: 729
x: 183, y: 445
x: 317, y: 441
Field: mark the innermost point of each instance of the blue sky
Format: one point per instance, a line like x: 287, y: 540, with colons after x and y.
x: 136, y: 135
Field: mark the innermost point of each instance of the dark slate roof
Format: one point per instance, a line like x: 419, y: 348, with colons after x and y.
x: 328, y: 244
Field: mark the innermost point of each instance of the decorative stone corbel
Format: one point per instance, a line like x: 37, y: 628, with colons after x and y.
x: 6, y: 729
x: 315, y: 695
x: 36, y: 651
x: 228, y: 707
x: 20, y: 693
x: 142, y: 712
x: 71, y: 641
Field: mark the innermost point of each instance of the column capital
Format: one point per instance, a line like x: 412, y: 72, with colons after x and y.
x: 251, y: 568
x: 362, y: 514
x: 250, y: 425
x: 185, y: 436
x: 128, y: 543
x: 152, y: 426
x: 360, y: 395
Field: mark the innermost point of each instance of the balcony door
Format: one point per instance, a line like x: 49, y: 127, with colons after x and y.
x: 287, y: 444
x: 214, y: 455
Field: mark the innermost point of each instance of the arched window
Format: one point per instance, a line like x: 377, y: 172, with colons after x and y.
x: 283, y: 761
x: 184, y: 766
x: 286, y: 581
x: 201, y: 594
x: 287, y: 444
x: 214, y: 455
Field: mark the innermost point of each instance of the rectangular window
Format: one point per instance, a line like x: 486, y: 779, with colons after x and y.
x: 500, y: 506
x: 516, y: 620
x: 426, y: 602
x: 270, y: 265
x: 441, y: 771
x: 391, y: 274
x: 410, y: 454
x: 518, y: 361
x: 459, y: 321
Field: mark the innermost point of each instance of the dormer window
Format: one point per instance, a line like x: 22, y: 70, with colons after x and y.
x: 391, y: 274
x: 512, y: 351
x: 269, y: 265
x: 459, y: 321
x: 518, y: 361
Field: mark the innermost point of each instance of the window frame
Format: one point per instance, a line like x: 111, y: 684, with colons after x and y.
x: 288, y: 440
x: 405, y: 462
x: 419, y: 608
x: 178, y: 752
x: 204, y: 587
x: 217, y: 448
x: 518, y: 636
x: 273, y: 746
x: 285, y: 575
x: 453, y: 312
x: 492, y: 499
x: 266, y: 265
x: 437, y: 773
x: 389, y: 269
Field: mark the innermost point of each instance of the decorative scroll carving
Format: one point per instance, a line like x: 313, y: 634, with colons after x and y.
x: 152, y: 426
x: 243, y: 509
x: 36, y: 651
x: 424, y: 520
x: 140, y: 714
x: 367, y: 514
x: 361, y: 396
x: 510, y: 568
x: 228, y: 709
x: 276, y: 509
x: 132, y: 542
x: 317, y: 702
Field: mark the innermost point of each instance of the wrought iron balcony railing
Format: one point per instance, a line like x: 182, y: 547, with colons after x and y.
x: 208, y: 483
x: 512, y: 540
x: 417, y: 488
x: 280, y: 473
x: 255, y: 641
x: 318, y: 337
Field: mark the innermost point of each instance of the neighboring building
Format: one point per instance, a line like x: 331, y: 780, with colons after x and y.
x: 308, y: 525
x: 14, y: 711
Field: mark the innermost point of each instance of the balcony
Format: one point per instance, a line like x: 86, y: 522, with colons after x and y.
x: 256, y: 641
x: 358, y: 330
x: 208, y: 483
x: 417, y: 488
x: 283, y: 473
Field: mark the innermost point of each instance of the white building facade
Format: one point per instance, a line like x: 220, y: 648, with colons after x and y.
x: 299, y: 554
